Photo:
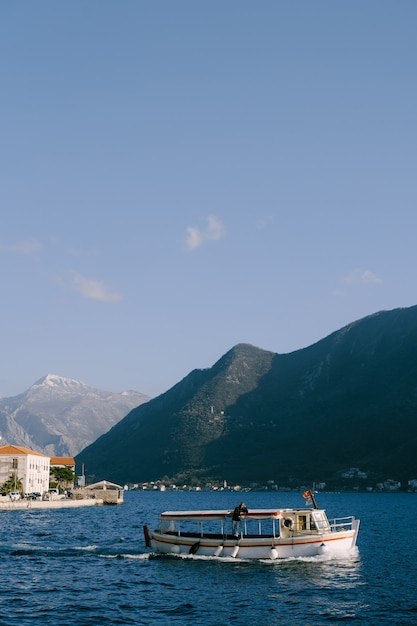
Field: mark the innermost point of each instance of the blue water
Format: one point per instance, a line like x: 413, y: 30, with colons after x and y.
x: 90, y: 566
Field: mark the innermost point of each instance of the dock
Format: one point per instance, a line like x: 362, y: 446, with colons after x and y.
x: 64, y: 503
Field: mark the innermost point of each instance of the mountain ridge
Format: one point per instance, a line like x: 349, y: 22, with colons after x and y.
x: 258, y: 415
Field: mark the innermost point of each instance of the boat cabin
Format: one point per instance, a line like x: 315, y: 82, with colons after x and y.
x: 303, y: 521
x: 257, y: 522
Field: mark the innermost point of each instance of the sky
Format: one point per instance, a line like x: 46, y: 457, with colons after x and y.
x: 180, y: 176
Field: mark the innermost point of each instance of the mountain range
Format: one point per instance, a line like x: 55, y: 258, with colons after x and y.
x: 343, y: 407
x: 61, y: 416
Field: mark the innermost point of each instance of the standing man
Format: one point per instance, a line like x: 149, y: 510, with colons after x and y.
x: 238, y: 512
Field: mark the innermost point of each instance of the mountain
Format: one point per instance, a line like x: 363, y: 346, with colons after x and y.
x: 61, y: 416
x: 349, y: 400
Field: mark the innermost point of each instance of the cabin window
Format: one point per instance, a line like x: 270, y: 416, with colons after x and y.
x: 168, y: 525
x: 319, y: 520
x: 302, y: 522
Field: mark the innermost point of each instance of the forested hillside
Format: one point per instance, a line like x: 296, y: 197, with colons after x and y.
x: 348, y: 400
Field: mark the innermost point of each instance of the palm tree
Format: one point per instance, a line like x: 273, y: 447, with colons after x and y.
x: 12, y: 484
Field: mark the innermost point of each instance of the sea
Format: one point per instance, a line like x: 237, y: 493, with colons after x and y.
x: 90, y: 566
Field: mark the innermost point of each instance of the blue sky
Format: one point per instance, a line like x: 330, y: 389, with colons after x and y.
x: 180, y: 176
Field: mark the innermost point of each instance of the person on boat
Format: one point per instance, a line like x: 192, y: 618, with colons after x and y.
x: 240, y: 510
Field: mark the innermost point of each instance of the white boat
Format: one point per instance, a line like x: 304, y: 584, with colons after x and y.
x: 263, y: 534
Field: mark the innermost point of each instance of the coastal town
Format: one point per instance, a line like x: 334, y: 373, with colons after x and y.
x: 29, y: 479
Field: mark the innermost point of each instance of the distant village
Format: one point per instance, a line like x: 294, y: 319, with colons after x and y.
x: 351, y: 482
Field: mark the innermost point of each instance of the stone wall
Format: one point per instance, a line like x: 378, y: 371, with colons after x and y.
x: 108, y: 496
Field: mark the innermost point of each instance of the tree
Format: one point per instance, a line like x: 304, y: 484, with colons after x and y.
x: 64, y: 477
x: 12, y: 484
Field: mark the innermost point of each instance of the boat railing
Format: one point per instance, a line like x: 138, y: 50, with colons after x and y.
x: 268, y: 527
x: 339, y: 524
x: 335, y: 525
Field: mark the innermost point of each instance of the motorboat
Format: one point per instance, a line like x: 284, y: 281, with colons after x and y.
x: 261, y: 533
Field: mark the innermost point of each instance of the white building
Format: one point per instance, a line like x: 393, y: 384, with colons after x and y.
x: 31, y: 468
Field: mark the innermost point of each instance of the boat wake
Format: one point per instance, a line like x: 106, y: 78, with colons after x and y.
x: 89, y: 551
x: 144, y: 556
x: 349, y: 556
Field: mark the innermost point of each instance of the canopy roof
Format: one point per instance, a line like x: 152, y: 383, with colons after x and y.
x: 104, y: 484
x: 219, y: 515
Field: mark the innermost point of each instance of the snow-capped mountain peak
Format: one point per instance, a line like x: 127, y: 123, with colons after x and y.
x: 60, y: 416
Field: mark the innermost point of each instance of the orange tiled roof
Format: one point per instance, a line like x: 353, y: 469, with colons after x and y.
x: 62, y: 460
x: 18, y: 450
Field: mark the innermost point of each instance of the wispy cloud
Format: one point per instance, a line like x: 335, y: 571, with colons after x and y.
x: 362, y: 277
x: 93, y: 289
x: 213, y: 231
x: 194, y: 238
x: 22, y: 247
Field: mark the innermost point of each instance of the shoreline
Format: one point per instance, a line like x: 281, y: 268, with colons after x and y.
x: 24, y: 505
